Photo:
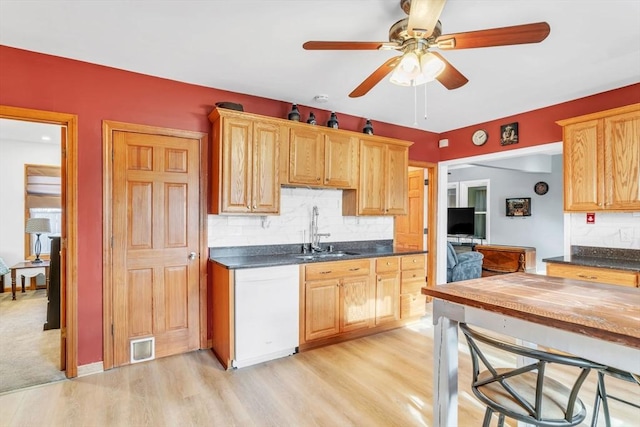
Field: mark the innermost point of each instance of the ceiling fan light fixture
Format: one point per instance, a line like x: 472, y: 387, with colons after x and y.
x: 431, y: 66
x: 410, y: 64
x: 407, y: 70
x: 399, y: 78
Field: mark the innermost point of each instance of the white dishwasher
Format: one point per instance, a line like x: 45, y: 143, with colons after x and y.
x: 266, y: 313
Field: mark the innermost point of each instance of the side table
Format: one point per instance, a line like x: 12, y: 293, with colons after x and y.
x: 28, y: 265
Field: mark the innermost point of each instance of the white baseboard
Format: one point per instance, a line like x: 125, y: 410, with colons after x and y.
x: 90, y: 369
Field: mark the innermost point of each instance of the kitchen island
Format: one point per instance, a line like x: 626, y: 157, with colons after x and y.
x: 591, y: 320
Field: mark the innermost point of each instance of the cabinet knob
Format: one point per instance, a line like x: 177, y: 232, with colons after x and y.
x: 254, y: 206
x: 248, y: 206
x: 415, y: 260
x: 388, y: 263
x: 318, y: 179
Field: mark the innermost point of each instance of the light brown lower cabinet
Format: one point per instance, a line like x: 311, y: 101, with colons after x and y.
x: 337, y: 298
x: 348, y: 299
x: 413, y: 276
x: 387, y: 290
x: 594, y: 274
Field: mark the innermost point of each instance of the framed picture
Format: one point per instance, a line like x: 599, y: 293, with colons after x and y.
x: 519, y: 207
x: 509, y: 134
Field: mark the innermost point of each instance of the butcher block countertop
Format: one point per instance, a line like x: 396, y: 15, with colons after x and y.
x: 606, y: 312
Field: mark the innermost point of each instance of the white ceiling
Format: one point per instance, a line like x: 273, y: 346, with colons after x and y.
x: 255, y: 47
x: 23, y: 131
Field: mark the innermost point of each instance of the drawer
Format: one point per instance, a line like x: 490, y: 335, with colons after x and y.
x: 413, y: 275
x: 387, y: 264
x: 333, y: 270
x: 412, y: 286
x: 412, y: 305
x: 413, y: 262
x: 593, y: 274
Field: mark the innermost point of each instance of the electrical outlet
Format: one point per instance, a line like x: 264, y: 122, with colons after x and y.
x: 626, y: 234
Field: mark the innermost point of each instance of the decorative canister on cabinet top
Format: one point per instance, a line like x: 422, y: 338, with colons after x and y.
x: 333, y: 121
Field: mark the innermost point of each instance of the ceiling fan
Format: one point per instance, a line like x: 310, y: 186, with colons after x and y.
x: 417, y: 34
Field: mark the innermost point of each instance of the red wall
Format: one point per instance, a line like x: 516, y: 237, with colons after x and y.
x: 95, y: 93
x: 535, y: 127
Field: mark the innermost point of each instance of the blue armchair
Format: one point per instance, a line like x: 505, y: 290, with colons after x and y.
x: 463, y: 266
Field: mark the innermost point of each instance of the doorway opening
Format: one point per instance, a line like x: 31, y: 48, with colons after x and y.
x: 68, y: 125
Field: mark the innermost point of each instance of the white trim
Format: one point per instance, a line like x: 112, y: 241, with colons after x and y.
x: 90, y: 369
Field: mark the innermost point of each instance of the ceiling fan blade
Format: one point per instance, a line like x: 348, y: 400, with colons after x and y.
x: 375, y: 77
x: 450, y: 77
x: 504, y: 36
x: 423, y: 17
x: 327, y: 45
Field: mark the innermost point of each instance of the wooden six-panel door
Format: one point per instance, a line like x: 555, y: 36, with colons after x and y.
x: 155, y: 246
x: 409, y: 228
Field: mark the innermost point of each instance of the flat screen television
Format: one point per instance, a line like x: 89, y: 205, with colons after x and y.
x: 461, y: 221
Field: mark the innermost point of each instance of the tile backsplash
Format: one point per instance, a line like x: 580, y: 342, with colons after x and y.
x: 293, y: 223
x: 610, y: 230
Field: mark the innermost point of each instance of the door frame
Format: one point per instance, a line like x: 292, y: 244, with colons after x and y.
x: 69, y: 235
x: 108, y: 127
x: 430, y: 173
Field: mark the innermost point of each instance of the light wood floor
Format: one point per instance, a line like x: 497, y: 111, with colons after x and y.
x: 382, y: 380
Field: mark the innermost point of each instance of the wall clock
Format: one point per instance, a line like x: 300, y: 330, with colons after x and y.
x: 479, y: 137
x: 541, y: 188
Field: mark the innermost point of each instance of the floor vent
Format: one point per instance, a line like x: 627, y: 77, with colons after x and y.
x: 143, y: 349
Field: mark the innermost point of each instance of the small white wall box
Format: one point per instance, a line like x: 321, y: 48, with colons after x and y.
x: 143, y: 349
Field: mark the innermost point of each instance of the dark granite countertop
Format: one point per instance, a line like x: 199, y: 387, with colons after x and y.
x: 589, y: 256
x: 273, y: 255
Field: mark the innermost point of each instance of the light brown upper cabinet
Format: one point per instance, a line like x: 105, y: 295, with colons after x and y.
x: 601, y: 159
x: 322, y: 157
x: 382, y: 188
x: 245, y: 175
x: 253, y: 155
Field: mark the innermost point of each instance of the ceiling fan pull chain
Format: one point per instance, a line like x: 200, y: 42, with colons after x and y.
x: 425, y: 101
x: 415, y: 105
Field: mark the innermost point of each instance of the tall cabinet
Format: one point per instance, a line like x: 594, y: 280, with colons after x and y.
x: 602, y: 161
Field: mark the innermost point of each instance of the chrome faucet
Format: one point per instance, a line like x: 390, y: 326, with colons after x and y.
x: 315, y: 236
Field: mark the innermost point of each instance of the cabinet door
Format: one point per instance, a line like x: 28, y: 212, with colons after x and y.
x: 355, y: 301
x: 306, y: 156
x: 412, y: 302
x: 322, y: 309
x: 387, y: 297
x: 582, y: 155
x: 622, y: 161
x: 237, y: 137
x: 397, y: 178
x: 372, y: 191
x: 266, y: 181
x: 340, y: 161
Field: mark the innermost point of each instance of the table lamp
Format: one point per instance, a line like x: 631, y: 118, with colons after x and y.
x: 38, y: 226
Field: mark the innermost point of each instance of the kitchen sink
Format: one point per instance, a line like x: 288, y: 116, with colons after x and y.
x: 325, y: 255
